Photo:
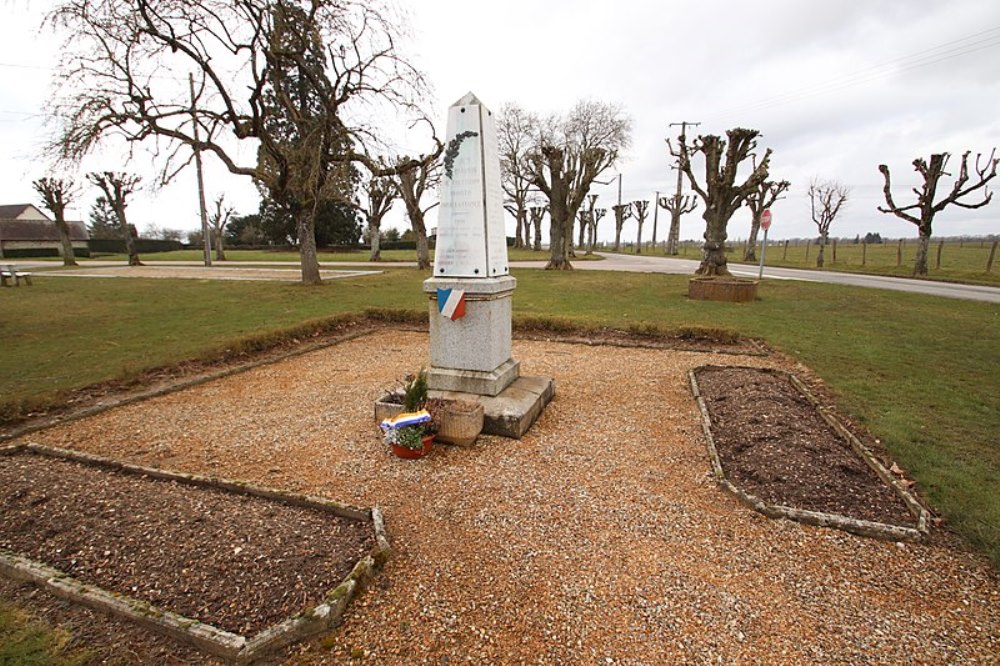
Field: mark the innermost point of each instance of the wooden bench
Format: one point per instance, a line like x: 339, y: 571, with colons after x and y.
x: 11, y: 273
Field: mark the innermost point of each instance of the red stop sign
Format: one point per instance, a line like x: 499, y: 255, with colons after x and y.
x: 765, y: 219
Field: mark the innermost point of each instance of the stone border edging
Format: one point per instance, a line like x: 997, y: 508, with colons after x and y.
x: 228, y: 645
x: 866, y: 528
x: 756, y: 349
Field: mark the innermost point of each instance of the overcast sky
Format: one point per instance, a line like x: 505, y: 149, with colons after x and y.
x: 835, y: 87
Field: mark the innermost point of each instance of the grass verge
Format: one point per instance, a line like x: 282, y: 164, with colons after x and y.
x: 25, y: 641
x: 918, y: 371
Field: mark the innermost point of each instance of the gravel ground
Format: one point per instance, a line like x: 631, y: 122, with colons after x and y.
x: 598, y: 538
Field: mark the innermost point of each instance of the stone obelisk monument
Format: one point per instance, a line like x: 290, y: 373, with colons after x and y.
x: 471, y: 289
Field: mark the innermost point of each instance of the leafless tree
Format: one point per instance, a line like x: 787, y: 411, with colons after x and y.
x: 537, y: 213
x: 721, y: 194
x: 56, y: 194
x: 595, y: 216
x: 380, y: 195
x: 826, y: 198
x: 925, y: 207
x: 622, y: 212
x: 516, y: 133
x: 760, y: 200
x: 571, y: 152
x: 676, y: 205
x: 299, y: 79
x: 641, y: 213
x: 217, y: 221
x: 116, y: 188
x: 414, y: 179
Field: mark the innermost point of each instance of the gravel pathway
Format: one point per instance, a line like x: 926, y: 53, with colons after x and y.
x: 598, y: 538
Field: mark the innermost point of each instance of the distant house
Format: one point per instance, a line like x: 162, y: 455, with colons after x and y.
x: 26, y: 231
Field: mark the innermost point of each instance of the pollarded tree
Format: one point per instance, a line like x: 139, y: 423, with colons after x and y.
x: 516, y: 132
x: 760, y: 200
x: 825, y: 201
x: 116, y: 188
x: 622, y: 212
x: 56, y: 194
x: 721, y: 194
x: 299, y: 79
x: 676, y: 205
x: 641, y: 213
x: 217, y: 221
x: 570, y: 153
x: 926, y: 208
x: 379, y: 196
x: 537, y: 213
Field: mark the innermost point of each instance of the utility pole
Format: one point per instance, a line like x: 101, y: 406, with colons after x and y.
x: 675, y: 229
x: 205, y: 235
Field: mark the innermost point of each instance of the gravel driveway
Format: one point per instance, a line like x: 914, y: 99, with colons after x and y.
x: 599, y: 538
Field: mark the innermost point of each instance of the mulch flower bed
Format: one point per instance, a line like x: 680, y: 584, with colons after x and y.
x: 773, y: 443
x: 236, y: 562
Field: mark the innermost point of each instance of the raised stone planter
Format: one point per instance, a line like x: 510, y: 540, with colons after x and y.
x: 387, y: 408
x: 722, y: 288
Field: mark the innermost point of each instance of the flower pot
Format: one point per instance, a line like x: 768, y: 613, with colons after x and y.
x: 387, y: 408
x: 460, y: 426
x: 413, y: 454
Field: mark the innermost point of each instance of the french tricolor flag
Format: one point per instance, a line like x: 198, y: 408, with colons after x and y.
x: 451, y: 303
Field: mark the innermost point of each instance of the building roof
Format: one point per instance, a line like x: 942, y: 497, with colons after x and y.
x: 27, y: 222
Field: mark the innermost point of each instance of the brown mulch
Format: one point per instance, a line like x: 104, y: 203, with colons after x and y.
x: 236, y: 562
x: 773, y: 443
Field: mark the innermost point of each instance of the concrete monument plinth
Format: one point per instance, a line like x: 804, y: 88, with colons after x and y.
x: 470, y: 292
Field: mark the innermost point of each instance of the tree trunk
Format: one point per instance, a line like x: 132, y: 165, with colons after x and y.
x: 375, y: 240
x: 673, y: 237
x: 713, y: 260
x: 583, y: 233
x: 559, y: 235
x: 751, y: 253
x: 638, y: 239
x: 518, y: 239
x: 127, y: 231
x: 920, y: 267
x: 538, y: 235
x: 69, y: 257
x: 618, y: 234
x: 220, y: 250
x: 423, y: 251
x: 305, y: 226
x: 819, y: 254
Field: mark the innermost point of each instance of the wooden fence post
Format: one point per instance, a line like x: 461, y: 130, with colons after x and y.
x: 993, y: 253
x: 784, y: 255
x: 834, y: 250
x: 808, y: 243
x: 940, y: 247
x: 899, y: 253
x: 864, y: 253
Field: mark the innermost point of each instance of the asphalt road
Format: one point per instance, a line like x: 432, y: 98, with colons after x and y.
x: 659, y: 264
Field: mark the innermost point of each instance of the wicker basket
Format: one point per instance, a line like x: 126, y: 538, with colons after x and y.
x: 461, y: 423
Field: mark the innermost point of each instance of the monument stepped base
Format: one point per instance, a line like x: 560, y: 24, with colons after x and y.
x: 513, y: 410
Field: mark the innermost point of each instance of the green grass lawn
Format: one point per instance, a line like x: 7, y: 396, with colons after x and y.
x: 919, y: 371
x: 251, y: 256
x: 26, y: 641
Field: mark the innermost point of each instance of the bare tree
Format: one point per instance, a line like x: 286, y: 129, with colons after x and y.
x: 299, y: 79
x: 217, y: 221
x: 760, y: 200
x: 380, y: 195
x: 676, y: 205
x: 117, y: 188
x: 721, y: 194
x: 641, y: 213
x: 826, y: 198
x: 537, y: 213
x: 414, y: 179
x: 622, y: 213
x: 571, y: 152
x: 595, y: 216
x: 56, y: 194
x: 925, y: 206
x: 516, y: 132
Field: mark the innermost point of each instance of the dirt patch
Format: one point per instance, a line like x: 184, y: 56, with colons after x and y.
x: 236, y: 562
x: 773, y: 443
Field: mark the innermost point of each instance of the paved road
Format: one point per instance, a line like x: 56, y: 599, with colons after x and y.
x: 655, y: 264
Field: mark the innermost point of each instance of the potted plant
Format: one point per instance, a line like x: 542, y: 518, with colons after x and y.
x: 408, y: 395
x: 410, y: 432
x: 410, y: 441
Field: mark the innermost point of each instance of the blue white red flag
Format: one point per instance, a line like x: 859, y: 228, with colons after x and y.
x: 451, y: 303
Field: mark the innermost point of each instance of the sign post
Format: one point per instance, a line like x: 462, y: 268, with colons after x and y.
x: 765, y: 223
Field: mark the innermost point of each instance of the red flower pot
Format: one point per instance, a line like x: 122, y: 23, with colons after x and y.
x: 413, y: 454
